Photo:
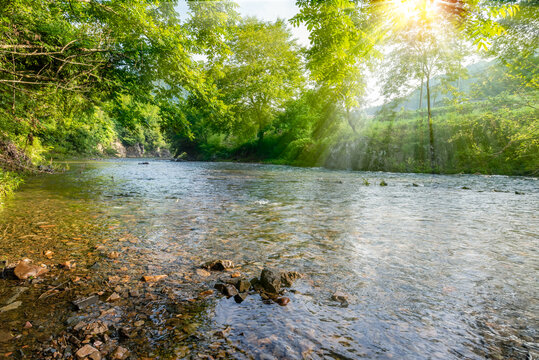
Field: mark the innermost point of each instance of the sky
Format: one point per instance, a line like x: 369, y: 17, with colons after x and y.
x: 269, y: 10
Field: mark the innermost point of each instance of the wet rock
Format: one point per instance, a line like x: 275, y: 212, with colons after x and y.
x: 226, y: 289
x: 205, y: 293
x: 5, y: 336
x: 242, y: 285
x: 218, y: 265
x: 519, y: 193
x: 383, y: 183
x: 14, y: 305
x: 68, y: 265
x: 25, y: 269
x: 340, y: 297
x: 415, y: 185
x: 94, y: 328
x: 283, y: 301
x: 120, y: 353
x: 85, y: 302
x: 88, y: 351
x: 223, y: 333
x: 113, y: 255
x: 240, y: 297
x: 113, y: 297
x: 153, y: 278
x: 144, y: 163
x: 289, y: 277
x: 203, y: 273
x: 465, y: 188
x: 270, y: 280
x: 16, y: 293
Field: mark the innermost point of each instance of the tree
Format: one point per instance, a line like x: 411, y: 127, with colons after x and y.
x: 263, y: 71
x: 418, y: 53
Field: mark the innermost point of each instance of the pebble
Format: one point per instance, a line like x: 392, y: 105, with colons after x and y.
x: 153, y: 278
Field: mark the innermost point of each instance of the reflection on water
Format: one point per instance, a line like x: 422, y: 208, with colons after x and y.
x: 432, y: 270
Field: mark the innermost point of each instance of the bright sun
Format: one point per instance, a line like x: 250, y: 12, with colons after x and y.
x: 414, y: 9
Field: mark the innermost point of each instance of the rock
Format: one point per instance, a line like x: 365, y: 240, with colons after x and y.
x: 218, y: 265
x: 14, y: 305
x: 226, y: 289
x: 383, y: 183
x: 68, y: 265
x: 48, y: 254
x: 28, y: 325
x: 113, y: 297
x: 236, y: 274
x: 95, y: 328
x: 340, y: 297
x: 25, y: 269
x: 113, y: 255
x: 288, y: 277
x: 5, y: 336
x: 519, y: 193
x: 139, y: 323
x: 120, y: 353
x: 153, y: 278
x: 203, y: 273
x: 465, y: 188
x: 270, y: 280
x: 144, y: 163
x: 16, y: 293
x: 283, y: 301
x: 205, y: 293
x: 85, y: 302
x: 415, y: 185
x: 223, y: 333
x: 242, y: 285
x: 240, y: 297
x: 86, y: 351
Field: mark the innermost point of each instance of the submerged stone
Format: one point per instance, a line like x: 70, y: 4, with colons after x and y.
x: 14, y: 305
x: 25, y: 269
x: 218, y: 265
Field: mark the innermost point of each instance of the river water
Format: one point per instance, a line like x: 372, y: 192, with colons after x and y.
x: 433, y: 266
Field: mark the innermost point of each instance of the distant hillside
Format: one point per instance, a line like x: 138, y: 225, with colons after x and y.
x: 411, y: 102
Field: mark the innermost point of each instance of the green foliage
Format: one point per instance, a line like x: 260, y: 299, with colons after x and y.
x: 9, y: 182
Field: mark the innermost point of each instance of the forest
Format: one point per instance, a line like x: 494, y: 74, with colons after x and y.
x: 85, y: 78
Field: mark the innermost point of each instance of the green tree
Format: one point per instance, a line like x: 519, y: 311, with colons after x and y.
x: 263, y: 71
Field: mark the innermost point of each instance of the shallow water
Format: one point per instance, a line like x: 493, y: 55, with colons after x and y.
x: 431, y: 271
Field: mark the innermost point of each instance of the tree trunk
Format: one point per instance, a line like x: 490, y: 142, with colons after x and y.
x: 431, y: 131
x: 421, y: 94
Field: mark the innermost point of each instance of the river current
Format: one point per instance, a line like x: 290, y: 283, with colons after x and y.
x: 440, y: 267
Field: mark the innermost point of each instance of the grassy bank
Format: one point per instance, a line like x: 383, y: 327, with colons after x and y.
x: 9, y: 182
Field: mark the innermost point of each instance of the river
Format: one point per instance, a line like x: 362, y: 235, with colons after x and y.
x: 440, y: 267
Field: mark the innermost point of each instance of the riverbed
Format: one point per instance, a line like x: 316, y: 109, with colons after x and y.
x: 432, y: 266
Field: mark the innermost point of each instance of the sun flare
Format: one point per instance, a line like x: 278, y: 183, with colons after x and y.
x: 408, y: 10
